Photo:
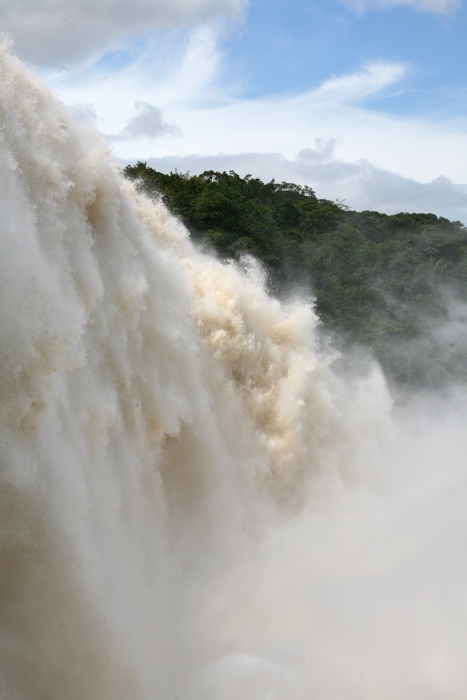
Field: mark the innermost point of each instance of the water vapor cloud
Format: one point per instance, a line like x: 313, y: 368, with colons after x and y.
x: 50, y: 32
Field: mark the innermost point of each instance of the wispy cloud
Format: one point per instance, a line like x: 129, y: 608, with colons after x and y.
x: 371, y: 79
x: 440, y: 7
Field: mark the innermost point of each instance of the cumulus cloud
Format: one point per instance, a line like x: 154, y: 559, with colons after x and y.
x: 361, y: 185
x: 148, y: 122
x: 439, y: 7
x: 52, y: 32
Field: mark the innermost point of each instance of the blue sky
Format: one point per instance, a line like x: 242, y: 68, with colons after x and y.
x: 364, y: 100
x: 291, y: 46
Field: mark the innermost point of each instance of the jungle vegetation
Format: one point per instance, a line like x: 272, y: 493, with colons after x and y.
x: 378, y: 279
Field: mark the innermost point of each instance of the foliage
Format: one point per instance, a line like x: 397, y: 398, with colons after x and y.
x: 376, y: 277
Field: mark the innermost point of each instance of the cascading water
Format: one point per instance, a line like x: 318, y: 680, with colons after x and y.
x: 193, y: 504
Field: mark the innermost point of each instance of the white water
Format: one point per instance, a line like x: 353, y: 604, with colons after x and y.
x: 192, y: 504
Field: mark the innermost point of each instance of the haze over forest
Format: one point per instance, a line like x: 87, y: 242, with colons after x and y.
x: 382, y: 281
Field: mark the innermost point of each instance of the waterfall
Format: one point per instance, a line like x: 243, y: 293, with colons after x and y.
x: 194, y: 502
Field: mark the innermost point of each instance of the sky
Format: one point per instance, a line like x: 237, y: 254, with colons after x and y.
x: 363, y: 100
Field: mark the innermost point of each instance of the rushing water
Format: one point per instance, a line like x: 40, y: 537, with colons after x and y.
x: 194, y: 504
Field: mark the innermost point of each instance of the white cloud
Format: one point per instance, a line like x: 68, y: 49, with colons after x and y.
x: 179, y: 69
x: 374, y: 77
x: 147, y: 122
x: 369, y: 158
x: 439, y: 7
x: 212, y: 121
x: 417, y: 149
x: 54, y: 32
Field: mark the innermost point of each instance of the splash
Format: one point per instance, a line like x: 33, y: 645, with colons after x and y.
x: 190, y: 497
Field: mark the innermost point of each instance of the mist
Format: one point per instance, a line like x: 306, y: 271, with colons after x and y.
x: 196, y: 502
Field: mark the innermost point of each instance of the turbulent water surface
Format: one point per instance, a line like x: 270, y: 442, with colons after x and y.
x: 194, y: 504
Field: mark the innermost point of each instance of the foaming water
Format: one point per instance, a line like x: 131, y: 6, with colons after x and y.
x: 193, y: 504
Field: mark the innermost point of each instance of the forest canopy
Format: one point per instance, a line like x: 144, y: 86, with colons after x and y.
x: 377, y: 279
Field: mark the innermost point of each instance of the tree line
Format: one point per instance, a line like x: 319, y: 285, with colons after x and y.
x: 377, y: 279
